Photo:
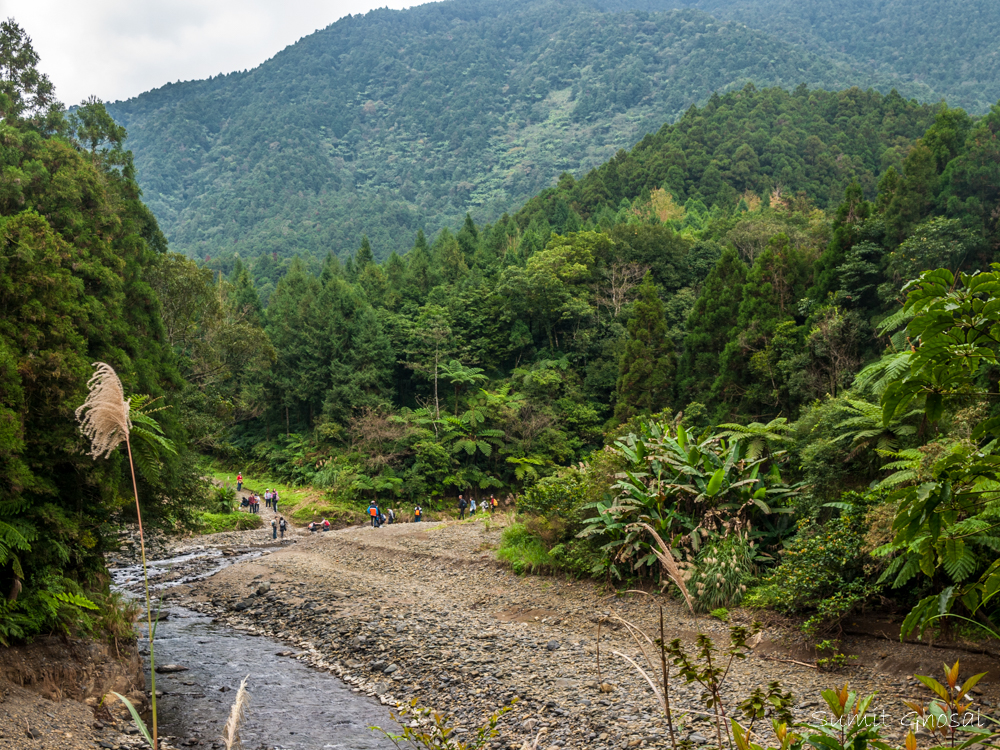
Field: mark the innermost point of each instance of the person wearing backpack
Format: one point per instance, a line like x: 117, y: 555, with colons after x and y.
x: 274, y: 529
x: 282, y: 525
x: 239, y: 482
x: 417, y: 513
x: 373, y: 513
x: 391, y: 514
x: 274, y: 501
x: 462, y: 505
x: 472, y: 507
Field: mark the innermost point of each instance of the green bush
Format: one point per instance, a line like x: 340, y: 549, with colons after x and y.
x: 523, y: 550
x: 721, y: 573
x: 823, y: 568
x: 562, y: 494
x: 223, y: 499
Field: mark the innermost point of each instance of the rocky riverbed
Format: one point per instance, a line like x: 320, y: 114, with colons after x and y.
x: 423, y: 611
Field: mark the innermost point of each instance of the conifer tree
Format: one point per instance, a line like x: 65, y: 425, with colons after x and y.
x: 710, y: 326
x: 646, y: 370
x: 365, y: 256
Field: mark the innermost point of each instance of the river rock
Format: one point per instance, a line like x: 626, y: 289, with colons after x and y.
x: 552, y: 645
x: 170, y: 668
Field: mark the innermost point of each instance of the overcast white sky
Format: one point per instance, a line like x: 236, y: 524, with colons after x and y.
x: 115, y: 49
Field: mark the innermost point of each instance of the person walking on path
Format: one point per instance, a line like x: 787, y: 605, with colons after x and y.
x: 373, y: 513
x: 274, y: 501
x: 267, y: 498
x: 274, y: 528
x: 282, y: 525
x: 239, y: 482
x: 462, y: 505
x: 472, y: 506
x: 493, y: 503
x: 391, y: 515
x: 417, y: 513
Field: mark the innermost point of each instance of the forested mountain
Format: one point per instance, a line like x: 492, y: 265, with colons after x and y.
x: 399, y: 120
x: 940, y: 48
x: 771, y: 325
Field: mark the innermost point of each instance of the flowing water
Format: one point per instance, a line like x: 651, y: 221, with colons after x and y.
x: 292, y: 707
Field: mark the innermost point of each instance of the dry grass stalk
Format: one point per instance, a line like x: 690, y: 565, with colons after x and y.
x: 670, y: 565
x: 231, y: 732
x: 104, y: 420
x: 104, y: 416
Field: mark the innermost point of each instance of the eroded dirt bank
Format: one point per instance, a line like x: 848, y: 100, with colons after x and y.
x: 424, y: 611
x: 51, y: 693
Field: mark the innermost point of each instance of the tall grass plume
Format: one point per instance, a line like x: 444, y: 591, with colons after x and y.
x: 104, y: 420
x: 231, y: 732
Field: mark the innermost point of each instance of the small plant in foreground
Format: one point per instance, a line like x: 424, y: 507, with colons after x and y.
x: 426, y: 728
x: 852, y: 727
x: 950, y: 713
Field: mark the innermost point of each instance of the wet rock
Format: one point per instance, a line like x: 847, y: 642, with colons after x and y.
x: 552, y: 645
x: 170, y: 668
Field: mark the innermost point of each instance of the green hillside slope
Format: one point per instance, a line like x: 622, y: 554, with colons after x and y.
x: 393, y: 121
x: 945, y: 47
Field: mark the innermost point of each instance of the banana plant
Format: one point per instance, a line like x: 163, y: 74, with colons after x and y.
x: 688, y: 489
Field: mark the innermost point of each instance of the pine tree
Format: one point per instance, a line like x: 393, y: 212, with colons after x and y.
x: 710, y: 326
x: 646, y: 370
x: 364, y: 257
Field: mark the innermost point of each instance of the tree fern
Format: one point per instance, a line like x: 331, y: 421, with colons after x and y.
x: 959, y: 561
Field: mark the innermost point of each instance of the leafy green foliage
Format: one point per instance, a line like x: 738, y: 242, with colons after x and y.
x: 822, y: 569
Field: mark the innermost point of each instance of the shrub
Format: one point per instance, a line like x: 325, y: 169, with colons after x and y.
x: 823, y: 568
x: 223, y: 499
x: 562, y: 494
x: 524, y: 551
x: 720, y: 575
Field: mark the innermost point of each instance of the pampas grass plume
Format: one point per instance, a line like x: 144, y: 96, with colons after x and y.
x: 231, y: 732
x: 104, y: 416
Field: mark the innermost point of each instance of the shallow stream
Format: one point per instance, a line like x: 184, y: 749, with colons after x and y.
x: 292, y: 707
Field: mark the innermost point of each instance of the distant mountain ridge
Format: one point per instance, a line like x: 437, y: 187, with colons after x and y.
x: 398, y: 120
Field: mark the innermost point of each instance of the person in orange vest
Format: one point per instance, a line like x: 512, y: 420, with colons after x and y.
x: 239, y: 482
x: 373, y: 513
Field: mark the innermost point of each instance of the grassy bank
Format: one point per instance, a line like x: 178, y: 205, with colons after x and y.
x: 299, y: 504
x: 214, y: 523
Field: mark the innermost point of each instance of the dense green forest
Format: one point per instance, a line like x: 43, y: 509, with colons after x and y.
x: 76, y: 245
x: 943, y: 49
x: 400, y: 120
x: 768, y: 333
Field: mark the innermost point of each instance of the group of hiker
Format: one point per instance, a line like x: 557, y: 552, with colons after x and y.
x: 488, y: 505
x: 378, y: 518
x: 252, y: 501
